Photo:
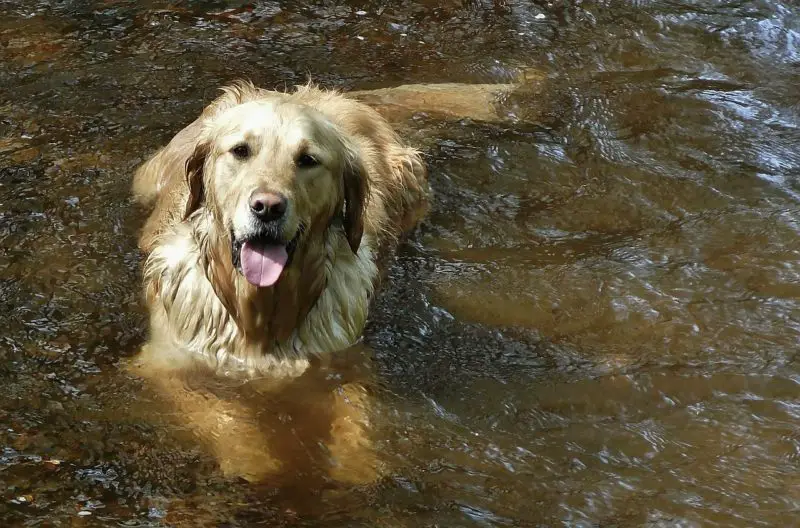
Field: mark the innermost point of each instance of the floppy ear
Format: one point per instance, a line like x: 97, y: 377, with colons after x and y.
x: 194, y: 178
x: 356, y: 189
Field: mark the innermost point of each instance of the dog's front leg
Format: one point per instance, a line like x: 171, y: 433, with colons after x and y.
x: 228, y: 428
x: 354, y: 460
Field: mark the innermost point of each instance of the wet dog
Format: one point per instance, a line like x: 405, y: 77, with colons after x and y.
x: 269, y: 218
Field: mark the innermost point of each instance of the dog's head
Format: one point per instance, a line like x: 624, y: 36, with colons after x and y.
x: 270, y: 173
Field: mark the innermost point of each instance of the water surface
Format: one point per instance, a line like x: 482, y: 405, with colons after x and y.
x: 599, y: 323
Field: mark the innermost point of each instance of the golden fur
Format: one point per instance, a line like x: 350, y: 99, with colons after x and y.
x: 346, y: 215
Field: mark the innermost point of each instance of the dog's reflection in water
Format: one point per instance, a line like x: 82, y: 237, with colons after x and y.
x: 306, y: 430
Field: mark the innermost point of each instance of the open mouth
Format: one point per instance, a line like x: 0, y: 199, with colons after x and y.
x: 263, y: 257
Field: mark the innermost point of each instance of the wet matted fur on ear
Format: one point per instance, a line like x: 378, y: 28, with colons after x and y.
x: 194, y: 178
x: 356, y: 190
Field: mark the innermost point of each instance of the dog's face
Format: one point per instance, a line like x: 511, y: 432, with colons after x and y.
x: 270, y: 172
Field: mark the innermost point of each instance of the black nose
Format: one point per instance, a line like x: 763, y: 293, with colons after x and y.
x: 268, y: 206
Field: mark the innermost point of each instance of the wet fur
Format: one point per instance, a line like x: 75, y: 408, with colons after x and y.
x: 202, y: 310
x: 320, y: 303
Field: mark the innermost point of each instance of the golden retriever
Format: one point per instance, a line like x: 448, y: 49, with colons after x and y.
x: 271, y: 216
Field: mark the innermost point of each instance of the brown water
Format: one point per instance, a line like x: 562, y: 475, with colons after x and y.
x: 599, y: 324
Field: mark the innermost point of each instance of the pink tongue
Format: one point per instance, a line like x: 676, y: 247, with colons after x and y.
x: 262, y: 264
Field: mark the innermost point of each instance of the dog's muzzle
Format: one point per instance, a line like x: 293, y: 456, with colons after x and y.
x: 263, y: 255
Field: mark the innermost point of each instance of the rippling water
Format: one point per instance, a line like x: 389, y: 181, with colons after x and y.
x: 599, y: 324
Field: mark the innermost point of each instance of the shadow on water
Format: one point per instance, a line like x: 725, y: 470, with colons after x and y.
x: 598, y: 324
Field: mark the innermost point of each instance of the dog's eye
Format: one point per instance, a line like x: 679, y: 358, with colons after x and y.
x: 241, y: 151
x: 306, y: 160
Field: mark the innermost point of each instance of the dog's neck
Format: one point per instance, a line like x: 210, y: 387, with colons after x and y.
x: 269, y: 316
x: 202, y: 304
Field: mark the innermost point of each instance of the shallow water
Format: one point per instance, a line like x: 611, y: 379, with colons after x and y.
x: 599, y: 323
